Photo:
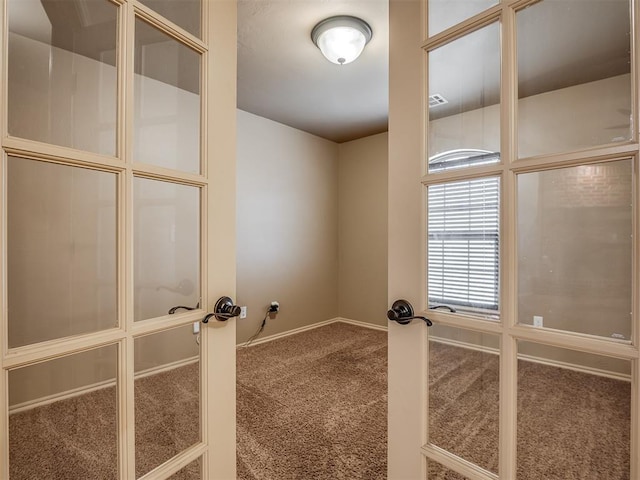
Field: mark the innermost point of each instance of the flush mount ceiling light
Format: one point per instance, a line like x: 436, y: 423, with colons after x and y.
x: 341, y: 39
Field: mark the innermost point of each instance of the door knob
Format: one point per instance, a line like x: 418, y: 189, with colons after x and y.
x: 223, y: 311
x: 402, y: 312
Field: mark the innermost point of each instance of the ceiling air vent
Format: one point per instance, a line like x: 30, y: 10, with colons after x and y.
x: 437, y: 99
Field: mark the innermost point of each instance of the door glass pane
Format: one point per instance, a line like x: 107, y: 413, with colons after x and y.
x: 574, y: 80
x: 193, y: 471
x: 464, y: 246
x: 166, y: 247
x: 167, y: 101
x: 574, y: 414
x: 62, y: 73
x: 464, y: 380
x: 61, y: 252
x: 437, y: 471
x: 575, y: 249
x: 63, y: 417
x: 446, y: 13
x: 167, y: 396
x: 184, y: 13
x: 464, y: 101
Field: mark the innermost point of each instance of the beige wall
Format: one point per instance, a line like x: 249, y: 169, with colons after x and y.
x: 362, y: 229
x: 287, y: 226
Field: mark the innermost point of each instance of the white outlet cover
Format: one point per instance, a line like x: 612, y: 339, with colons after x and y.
x: 537, y: 321
x: 243, y: 312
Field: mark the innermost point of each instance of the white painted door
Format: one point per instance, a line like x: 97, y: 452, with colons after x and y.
x: 118, y: 171
x: 513, y: 200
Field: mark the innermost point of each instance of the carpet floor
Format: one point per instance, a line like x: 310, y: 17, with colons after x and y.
x: 314, y: 406
x: 571, y: 425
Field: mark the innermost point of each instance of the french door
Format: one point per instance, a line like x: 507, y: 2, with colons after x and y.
x: 118, y: 150
x: 513, y: 226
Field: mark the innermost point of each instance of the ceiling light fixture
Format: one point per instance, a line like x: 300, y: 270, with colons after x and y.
x: 341, y: 39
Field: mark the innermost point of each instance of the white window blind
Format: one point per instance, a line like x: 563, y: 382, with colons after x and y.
x: 463, y: 248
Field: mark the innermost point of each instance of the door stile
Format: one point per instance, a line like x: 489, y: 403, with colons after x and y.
x: 424, y: 232
x: 220, y: 155
x: 4, y: 374
x: 406, y: 391
x: 122, y: 67
x: 507, y: 444
x: 126, y: 406
x: 126, y: 433
x: 509, y: 346
x: 4, y: 88
x: 4, y: 424
x: 206, y: 365
x: 635, y: 293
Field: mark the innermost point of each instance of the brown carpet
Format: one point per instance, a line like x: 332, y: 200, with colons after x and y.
x: 571, y: 425
x: 76, y: 439
x: 313, y: 406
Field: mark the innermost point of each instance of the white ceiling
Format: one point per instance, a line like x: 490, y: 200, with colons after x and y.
x: 283, y: 76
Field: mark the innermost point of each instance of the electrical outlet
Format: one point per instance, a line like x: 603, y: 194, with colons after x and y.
x: 196, y: 328
x: 243, y: 312
x: 275, y: 307
x: 537, y: 321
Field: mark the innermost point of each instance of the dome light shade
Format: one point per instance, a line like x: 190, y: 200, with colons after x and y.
x: 341, y: 39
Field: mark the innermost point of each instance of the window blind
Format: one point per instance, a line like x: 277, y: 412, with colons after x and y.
x: 463, y: 249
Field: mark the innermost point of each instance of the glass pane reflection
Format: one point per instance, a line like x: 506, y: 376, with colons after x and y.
x: 437, y: 471
x: 193, y: 471
x: 464, y: 98
x: 62, y: 73
x: 167, y: 101
x: 574, y: 88
x: 464, y: 392
x: 446, y: 13
x: 574, y: 421
x: 61, y: 253
x: 184, y: 13
x: 167, y: 397
x: 166, y: 247
x: 63, y: 418
x: 575, y: 250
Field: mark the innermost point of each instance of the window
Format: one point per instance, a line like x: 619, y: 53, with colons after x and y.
x: 463, y: 238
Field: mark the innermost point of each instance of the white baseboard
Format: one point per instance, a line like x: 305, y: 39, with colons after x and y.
x: 295, y: 331
x: 358, y: 323
x: 275, y: 336
x: 530, y: 358
x: 76, y: 392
